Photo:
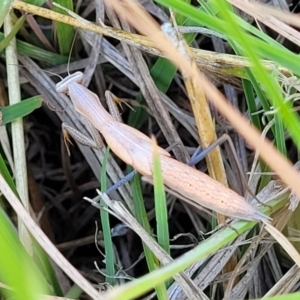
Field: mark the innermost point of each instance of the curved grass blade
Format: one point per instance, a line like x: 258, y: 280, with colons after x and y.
x: 4, y: 43
x: 38, y: 53
x: 19, y: 110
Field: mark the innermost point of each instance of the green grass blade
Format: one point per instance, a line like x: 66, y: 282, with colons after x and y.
x: 19, y: 110
x: 262, y: 98
x: 40, y: 258
x: 109, y: 250
x: 65, y: 33
x: 161, y: 212
x: 74, y: 292
x: 250, y: 99
x: 38, y: 53
x: 4, y: 43
x: 44, y: 264
x: 36, y: 2
x: 139, y: 208
x: 141, y: 216
x: 17, y: 269
x: 5, y: 6
x: 163, y: 71
x: 279, y: 135
x: 7, y: 176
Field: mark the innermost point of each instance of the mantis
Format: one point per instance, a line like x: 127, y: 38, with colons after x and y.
x: 135, y: 149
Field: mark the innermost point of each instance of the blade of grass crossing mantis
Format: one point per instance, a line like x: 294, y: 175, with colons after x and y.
x: 109, y: 250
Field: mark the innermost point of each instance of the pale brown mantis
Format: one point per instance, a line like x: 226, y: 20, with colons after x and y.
x: 135, y: 149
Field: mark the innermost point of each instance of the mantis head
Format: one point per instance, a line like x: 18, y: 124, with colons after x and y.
x: 63, y: 85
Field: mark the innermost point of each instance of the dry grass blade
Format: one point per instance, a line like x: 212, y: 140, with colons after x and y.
x: 18, y: 139
x: 286, y: 284
x: 219, y: 66
x: 284, y: 242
